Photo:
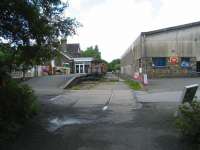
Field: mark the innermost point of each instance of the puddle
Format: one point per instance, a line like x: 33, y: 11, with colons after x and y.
x: 63, y: 98
x: 56, y: 98
x: 138, y: 106
x: 105, y: 108
x: 57, y: 123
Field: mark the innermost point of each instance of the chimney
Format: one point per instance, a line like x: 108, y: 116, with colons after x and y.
x: 63, y: 41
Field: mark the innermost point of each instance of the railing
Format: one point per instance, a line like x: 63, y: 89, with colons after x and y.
x: 19, y: 74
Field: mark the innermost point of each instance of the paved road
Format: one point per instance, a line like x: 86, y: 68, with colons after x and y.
x: 106, y: 117
x: 170, y: 84
x: 166, y: 90
x: 49, y: 85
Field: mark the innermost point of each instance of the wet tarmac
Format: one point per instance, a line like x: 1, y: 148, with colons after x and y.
x: 78, y: 120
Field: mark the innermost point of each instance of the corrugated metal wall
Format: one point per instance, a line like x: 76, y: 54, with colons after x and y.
x: 184, y: 42
x: 129, y: 61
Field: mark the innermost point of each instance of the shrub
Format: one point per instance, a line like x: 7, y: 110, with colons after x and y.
x: 188, y: 121
x: 17, y: 105
x: 133, y: 84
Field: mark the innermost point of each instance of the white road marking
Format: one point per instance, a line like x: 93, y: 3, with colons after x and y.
x: 108, y: 102
x: 105, y: 108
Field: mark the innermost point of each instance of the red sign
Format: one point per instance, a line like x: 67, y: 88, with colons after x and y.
x: 136, y: 76
x: 174, y: 60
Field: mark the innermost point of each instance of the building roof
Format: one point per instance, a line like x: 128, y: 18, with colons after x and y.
x: 184, y: 26
x: 74, y: 46
x: 73, y: 50
x: 65, y: 55
x: 83, y: 59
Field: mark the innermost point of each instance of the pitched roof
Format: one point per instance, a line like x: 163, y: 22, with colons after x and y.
x: 184, y: 26
x: 73, y: 46
x: 73, y: 50
x: 65, y: 55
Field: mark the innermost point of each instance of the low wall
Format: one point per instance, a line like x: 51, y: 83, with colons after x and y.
x: 170, y: 70
x: 85, y: 77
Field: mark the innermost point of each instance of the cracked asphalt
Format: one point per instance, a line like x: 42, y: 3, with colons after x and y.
x: 76, y: 120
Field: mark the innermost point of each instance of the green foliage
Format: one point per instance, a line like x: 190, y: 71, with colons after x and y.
x: 31, y: 29
x: 133, y: 84
x: 18, y: 105
x: 5, y: 62
x: 29, y: 32
x: 188, y: 121
x: 76, y: 87
x: 104, y: 61
x: 114, y: 65
x: 92, y: 52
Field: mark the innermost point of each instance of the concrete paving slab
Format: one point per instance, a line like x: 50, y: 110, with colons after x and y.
x: 166, y: 90
x: 159, y: 96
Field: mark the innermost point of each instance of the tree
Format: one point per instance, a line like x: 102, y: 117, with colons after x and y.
x: 92, y: 52
x: 114, y: 65
x: 29, y: 31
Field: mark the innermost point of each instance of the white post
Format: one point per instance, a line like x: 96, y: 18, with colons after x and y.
x: 79, y: 66
x: 83, y: 68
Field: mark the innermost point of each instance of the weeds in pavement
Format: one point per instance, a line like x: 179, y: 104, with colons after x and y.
x: 76, y: 87
x: 133, y: 84
x: 188, y: 121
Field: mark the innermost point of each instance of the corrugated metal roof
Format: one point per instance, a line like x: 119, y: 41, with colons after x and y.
x: 184, y: 26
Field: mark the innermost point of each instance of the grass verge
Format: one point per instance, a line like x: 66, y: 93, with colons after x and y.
x: 133, y: 84
x: 75, y: 87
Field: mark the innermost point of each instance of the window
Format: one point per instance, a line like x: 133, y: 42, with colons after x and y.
x: 185, y: 62
x: 140, y: 63
x: 77, y: 68
x: 81, y: 69
x: 159, y: 61
x: 66, y: 65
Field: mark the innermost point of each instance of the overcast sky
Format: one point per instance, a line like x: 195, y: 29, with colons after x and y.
x: 114, y: 24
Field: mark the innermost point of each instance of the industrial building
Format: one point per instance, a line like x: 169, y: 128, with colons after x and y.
x: 168, y: 52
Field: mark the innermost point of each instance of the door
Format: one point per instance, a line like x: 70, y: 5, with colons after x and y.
x: 77, y: 68
x: 81, y: 69
x: 198, y: 66
x: 86, y: 68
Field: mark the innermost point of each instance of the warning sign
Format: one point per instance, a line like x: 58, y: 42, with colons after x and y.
x: 173, y: 60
